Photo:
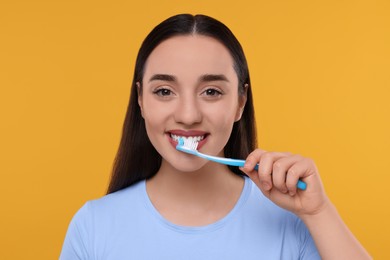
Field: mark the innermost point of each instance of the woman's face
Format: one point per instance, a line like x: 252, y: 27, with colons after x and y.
x: 190, y: 89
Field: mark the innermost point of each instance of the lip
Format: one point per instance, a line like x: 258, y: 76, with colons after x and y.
x: 188, y: 133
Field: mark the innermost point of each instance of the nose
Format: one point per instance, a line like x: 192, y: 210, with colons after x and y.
x: 188, y: 111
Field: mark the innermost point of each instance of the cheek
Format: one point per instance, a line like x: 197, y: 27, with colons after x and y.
x: 222, y: 116
x: 154, y: 127
x: 152, y: 118
x: 156, y: 116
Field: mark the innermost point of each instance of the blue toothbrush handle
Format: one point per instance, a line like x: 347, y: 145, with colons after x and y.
x: 301, y: 185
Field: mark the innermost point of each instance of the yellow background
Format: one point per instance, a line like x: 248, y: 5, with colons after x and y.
x: 320, y: 75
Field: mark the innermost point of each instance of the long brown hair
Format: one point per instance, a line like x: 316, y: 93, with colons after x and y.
x: 136, y: 158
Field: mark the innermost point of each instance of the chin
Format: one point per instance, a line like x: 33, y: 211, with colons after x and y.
x: 187, y: 165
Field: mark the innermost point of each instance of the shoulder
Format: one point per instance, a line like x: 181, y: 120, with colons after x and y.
x: 118, y: 204
x: 121, y: 201
x: 97, y: 220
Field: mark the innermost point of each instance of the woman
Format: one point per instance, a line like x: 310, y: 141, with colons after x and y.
x: 191, y: 80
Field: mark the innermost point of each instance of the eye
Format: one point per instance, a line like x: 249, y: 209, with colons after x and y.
x: 212, y: 92
x: 163, y: 92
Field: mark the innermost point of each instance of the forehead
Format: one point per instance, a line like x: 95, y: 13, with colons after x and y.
x: 190, y: 55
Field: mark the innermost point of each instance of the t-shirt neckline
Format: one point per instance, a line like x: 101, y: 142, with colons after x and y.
x: 198, y: 229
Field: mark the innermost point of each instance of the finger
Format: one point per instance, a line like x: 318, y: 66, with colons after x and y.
x: 279, y: 171
x: 265, y: 170
x: 250, y: 163
x: 297, y: 171
x: 252, y: 159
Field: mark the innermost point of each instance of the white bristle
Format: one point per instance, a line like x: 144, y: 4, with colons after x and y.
x: 191, y: 143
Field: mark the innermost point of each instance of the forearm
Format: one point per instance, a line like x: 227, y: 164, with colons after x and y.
x: 332, y: 237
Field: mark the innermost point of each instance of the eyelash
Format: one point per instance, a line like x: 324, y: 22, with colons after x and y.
x: 160, y: 92
x: 210, y: 92
x: 215, y: 92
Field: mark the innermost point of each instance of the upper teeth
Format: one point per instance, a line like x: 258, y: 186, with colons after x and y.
x: 189, y: 138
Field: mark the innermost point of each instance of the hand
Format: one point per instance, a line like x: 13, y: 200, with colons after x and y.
x: 278, y: 175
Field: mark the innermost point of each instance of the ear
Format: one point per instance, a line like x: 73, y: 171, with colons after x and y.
x: 241, y: 103
x: 139, y: 94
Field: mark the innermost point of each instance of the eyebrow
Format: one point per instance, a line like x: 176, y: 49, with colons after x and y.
x: 213, y: 77
x: 203, y: 78
x: 163, y: 77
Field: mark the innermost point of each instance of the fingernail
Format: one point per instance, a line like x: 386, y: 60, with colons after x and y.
x: 291, y: 193
x: 247, y: 165
x: 266, y: 185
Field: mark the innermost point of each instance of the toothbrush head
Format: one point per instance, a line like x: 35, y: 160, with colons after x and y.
x: 187, y: 145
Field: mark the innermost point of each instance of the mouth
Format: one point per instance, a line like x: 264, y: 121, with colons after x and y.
x: 193, y: 136
x: 190, y: 138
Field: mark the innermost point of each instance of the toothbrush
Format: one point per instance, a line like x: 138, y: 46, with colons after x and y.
x: 189, y: 146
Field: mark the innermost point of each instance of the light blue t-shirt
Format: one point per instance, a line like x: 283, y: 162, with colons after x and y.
x: 125, y: 225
